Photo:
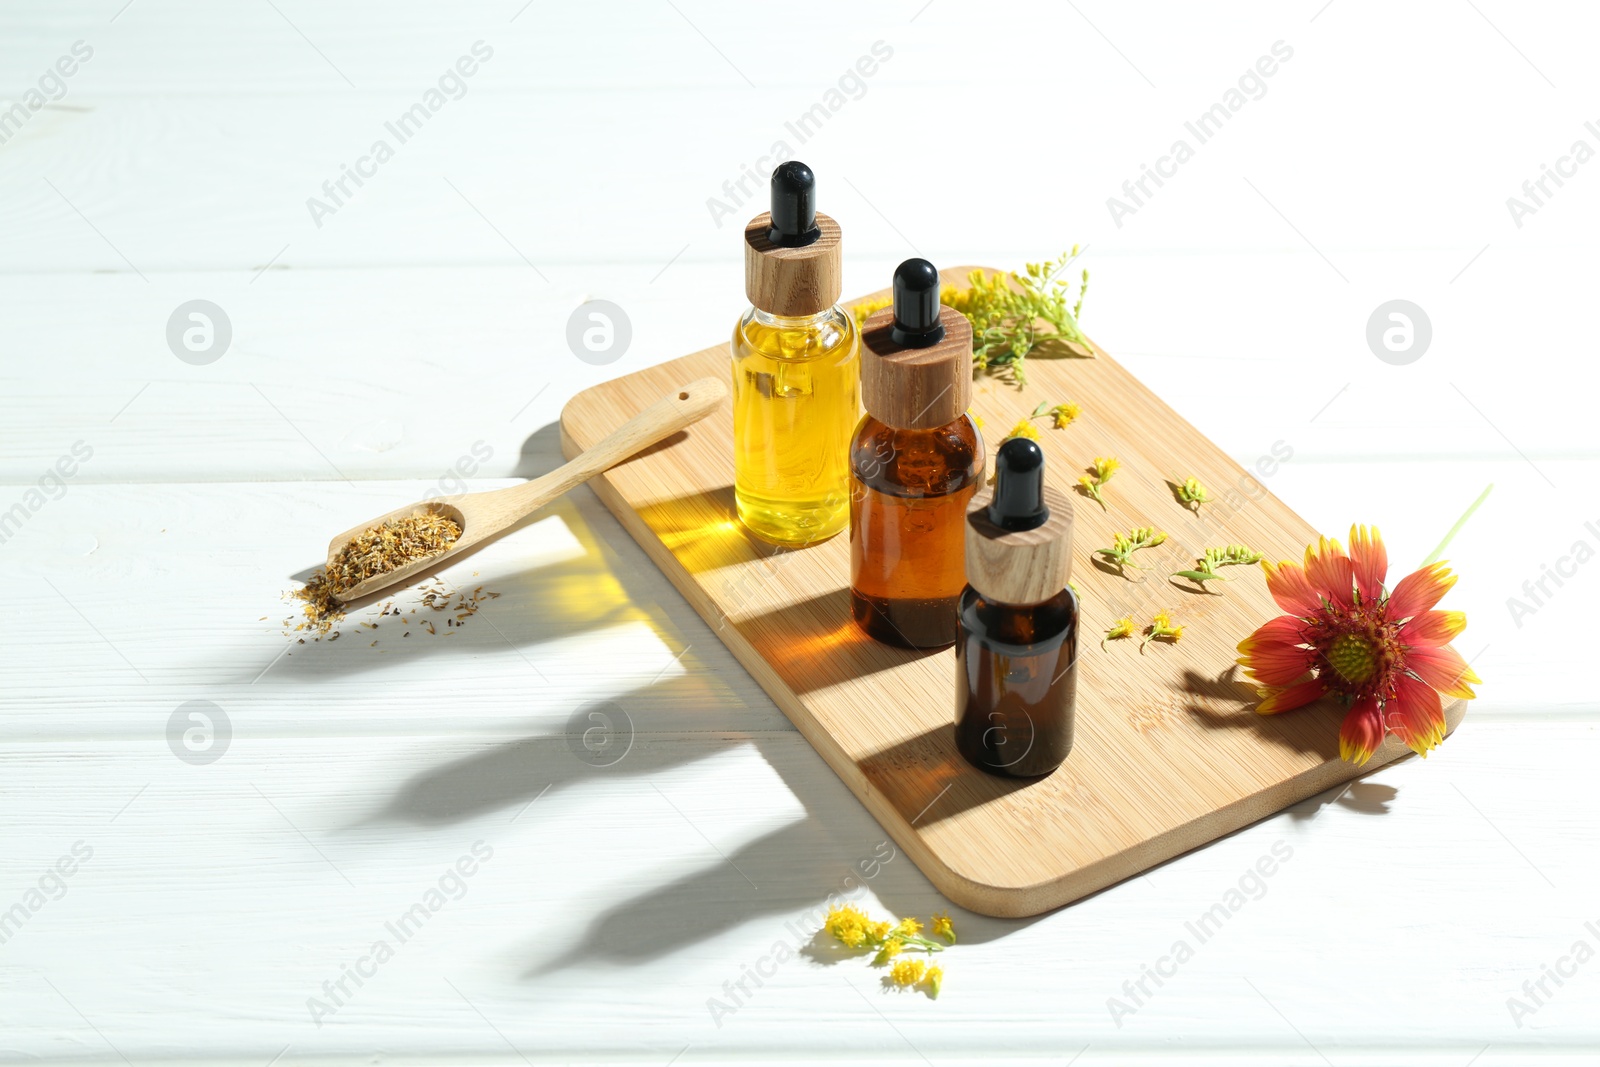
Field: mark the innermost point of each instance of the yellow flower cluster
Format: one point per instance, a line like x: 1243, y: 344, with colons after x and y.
x: 1060, y: 415
x: 907, y: 972
x: 853, y: 928
x: 916, y: 973
x: 1025, y: 428
x: 1100, y: 472
x: 1162, y: 628
x: 1012, y: 311
x: 1065, y: 414
x: 1191, y: 492
x: 1124, y: 627
x: 864, y: 310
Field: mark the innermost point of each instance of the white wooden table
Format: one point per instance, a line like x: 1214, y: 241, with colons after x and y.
x: 211, y: 906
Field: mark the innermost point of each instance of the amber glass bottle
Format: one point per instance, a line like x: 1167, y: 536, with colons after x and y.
x: 796, y: 372
x: 1016, y: 659
x: 915, y: 463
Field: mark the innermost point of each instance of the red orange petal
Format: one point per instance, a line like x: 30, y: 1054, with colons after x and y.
x: 1362, y: 731
x: 1277, y: 664
x: 1370, y: 561
x: 1288, y: 699
x: 1288, y: 586
x: 1444, y: 669
x: 1433, y: 628
x: 1419, y: 591
x: 1414, y: 715
x: 1330, y: 572
x: 1283, y: 630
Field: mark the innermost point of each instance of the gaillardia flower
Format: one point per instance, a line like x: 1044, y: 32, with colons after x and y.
x: 1385, y: 653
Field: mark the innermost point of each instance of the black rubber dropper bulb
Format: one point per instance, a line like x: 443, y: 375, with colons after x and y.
x: 794, y: 206
x: 1018, y: 502
x: 916, y: 305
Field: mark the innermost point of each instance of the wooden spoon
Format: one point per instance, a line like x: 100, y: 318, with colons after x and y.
x: 485, y: 515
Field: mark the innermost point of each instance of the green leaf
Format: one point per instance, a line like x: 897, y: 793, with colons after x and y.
x: 1198, y: 576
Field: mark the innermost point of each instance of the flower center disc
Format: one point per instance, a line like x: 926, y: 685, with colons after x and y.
x: 1353, y: 657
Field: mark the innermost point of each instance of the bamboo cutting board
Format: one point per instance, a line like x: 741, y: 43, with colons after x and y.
x: 1169, y: 753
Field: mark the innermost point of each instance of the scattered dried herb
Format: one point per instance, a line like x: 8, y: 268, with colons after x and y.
x: 379, y: 550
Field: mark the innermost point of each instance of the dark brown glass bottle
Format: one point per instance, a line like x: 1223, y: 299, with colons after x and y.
x: 1016, y: 659
x: 915, y: 463
x: 1016, y: 682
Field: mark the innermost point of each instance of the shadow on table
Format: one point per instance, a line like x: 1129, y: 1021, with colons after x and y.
x: 1228, y: 702
x: 775, y: 879
x: 1367, y: 798
x: 603, y: 740
x: 785, y: 877
x: 787, y: 874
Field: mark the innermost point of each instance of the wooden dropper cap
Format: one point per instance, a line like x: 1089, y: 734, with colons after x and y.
x: 792, y: 258
x: 1019, y: 534
x: 916, y: 360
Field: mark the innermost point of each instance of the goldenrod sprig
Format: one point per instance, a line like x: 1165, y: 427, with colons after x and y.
x: 1061, y: 415
x: 1124, y: 627
x: 1100, y: 472
x: 1192, y: 494
x: 1161, y: 629
x: 852, y: 928
x: 1120, y: 554
x: 1227, y: 556
x: 929, y: 977
x: 1006, y: 309
x: 1024, y: 428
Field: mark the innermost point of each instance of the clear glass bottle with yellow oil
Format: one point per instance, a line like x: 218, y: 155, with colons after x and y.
x: 796, y: 372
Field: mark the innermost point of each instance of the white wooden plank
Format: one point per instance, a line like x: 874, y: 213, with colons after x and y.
x: 619, y: 892
x: 148, y: 141
x: 153, y: 594
x: 147, y: 596
x: 364, y: 374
